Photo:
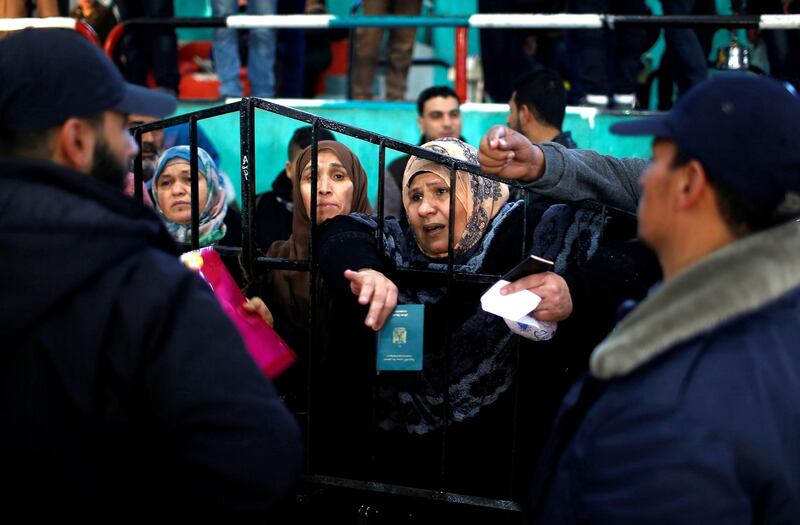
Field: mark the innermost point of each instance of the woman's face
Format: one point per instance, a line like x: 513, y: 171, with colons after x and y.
x: 174, y: 192
x: 334, y: 187
x: 429, y: 213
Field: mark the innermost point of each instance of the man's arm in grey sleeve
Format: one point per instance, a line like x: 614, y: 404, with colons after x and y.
x: 572, y: 175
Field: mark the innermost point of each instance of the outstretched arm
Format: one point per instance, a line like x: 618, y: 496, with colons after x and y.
x: 564, y: 175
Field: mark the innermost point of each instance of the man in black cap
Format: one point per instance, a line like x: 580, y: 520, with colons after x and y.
x: 124, y: 389
x: 690, y: 412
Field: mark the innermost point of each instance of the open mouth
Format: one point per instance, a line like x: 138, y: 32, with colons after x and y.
x: 433, y: 229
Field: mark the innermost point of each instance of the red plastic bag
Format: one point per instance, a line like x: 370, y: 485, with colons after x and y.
x: 268, y: 350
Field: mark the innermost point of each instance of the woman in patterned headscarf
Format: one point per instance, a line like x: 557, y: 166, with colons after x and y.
x: 470, y: 370
x: 172, y: 196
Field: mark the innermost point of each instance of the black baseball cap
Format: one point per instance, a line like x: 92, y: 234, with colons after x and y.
x: 743, y: 128
x: 50, y: 75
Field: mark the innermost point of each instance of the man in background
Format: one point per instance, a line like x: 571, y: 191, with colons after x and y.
x: 537, y: 108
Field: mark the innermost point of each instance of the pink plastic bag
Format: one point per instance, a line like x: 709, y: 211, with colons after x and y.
x: 268, y: 350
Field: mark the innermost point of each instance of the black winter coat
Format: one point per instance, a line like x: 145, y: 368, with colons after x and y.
x: 123, y: 386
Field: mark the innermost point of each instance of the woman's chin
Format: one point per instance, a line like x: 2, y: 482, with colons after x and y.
x: 434, y: 250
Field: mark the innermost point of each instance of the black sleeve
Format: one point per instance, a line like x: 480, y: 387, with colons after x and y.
x: 620, y: 270
x: 343, y: 243
x: 232, y: 443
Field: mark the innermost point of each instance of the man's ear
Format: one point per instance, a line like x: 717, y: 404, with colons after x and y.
x: 74, y: 145
x: 692, y: 184
x: 289, y: 169
x: 420, y: 123
x: 524, y: 115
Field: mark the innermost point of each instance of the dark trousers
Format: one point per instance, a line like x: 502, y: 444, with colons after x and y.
x: 609, y: 61
x: 150, y: 48
x: 689, y: 62
x: 291, y: 51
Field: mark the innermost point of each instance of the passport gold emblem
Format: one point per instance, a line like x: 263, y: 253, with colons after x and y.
x: 399, y: 336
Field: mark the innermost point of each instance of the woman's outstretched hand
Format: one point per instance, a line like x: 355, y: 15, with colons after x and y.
x: 376, y: 290
x: 257, y: 306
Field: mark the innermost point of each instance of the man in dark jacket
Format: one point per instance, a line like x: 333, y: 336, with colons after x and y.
x: 537, y: 108
x: 690, y: 412
x: 124, y: 388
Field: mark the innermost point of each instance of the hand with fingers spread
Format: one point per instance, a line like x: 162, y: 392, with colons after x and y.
x: 556, y: 302
x: 255, y: 305
x: 376, y: 290
x: 510, y: 154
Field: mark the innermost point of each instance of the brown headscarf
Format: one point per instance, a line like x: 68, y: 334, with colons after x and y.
x: 291, y: 288
x: 481, y: 198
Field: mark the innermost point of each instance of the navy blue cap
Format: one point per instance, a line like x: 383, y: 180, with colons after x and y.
x: 742, y: 128
x: 50, y: 75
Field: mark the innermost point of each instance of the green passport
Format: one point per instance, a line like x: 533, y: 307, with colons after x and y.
x: 400, y: 339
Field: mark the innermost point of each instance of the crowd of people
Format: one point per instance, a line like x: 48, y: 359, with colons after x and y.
x: 602, y: 68
x: 654, y: 381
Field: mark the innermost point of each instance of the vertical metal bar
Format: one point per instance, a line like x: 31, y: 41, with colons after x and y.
x: 247, y: 151
x: 518, y: 359
x: 312, y: 317
x: 195, y: 182
x: 381, y: 182
x: 461, y: 63
x: 447, y: 349
x: 138, y: 172
x: 379, y: 235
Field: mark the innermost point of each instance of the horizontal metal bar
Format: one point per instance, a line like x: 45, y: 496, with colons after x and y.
x: 225, y: 251
x: 54, y: 22
x: 399, y: 490
x: 201, y: 114
x: 478, y: 21
x: 280, y: 21
x: 176, y: 22
x: 228, y: 251
x: 522, y: 20
x: 274, y: 263
x: 374, y: 138
x: 779, y: 22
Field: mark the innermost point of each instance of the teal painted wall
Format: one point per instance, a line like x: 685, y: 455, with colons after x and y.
x: 397, y: 120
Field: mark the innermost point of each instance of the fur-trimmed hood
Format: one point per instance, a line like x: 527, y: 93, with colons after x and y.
x: 733, y: 281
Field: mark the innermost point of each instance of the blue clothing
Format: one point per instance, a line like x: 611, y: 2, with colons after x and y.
x: 690, y: 414
x: 124, y: 388
x: 688, y: 57
x: 261, y: 57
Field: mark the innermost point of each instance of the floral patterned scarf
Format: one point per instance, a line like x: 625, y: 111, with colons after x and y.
x: 212, y: 212
x: 479, y: 197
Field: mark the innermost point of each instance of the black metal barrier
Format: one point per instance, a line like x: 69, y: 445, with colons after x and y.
x: 253, y: 262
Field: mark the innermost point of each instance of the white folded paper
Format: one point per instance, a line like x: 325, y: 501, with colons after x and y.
x: 513, y: 306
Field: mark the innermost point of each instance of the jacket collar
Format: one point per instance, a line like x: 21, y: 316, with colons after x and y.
x: 733, y: 281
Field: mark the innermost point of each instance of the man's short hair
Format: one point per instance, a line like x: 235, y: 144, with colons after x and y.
x: 37, y: 143
x: 544, y: 94
x: 741, y: 216
x: 433, y: 92
x: 301, y: 139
